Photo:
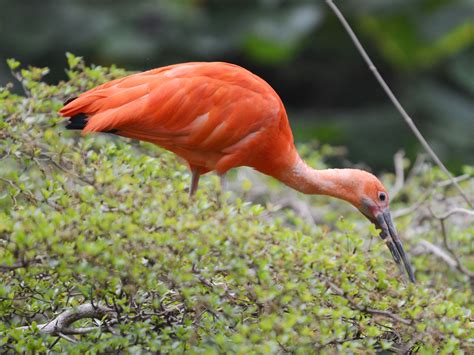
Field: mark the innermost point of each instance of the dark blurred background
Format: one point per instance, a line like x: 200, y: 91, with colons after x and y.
x: 423, y: 48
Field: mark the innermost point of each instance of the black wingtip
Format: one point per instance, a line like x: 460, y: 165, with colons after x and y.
x: 111, y: 131
x: 71, y: 99
x: 80, y: 121
x: 77, y: 122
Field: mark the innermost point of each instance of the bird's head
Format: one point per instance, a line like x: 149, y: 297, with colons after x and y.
x: 372, y: 200
x: 358, y: 187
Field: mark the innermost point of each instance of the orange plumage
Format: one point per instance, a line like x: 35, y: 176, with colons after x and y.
x: 218, y: 116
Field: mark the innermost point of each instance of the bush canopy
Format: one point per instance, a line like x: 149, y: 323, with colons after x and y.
x: 102, y: 227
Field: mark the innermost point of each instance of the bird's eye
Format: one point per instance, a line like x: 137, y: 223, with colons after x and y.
x: 382, y: 196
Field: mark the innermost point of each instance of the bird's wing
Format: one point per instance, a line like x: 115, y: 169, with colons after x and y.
x: 184, y: 108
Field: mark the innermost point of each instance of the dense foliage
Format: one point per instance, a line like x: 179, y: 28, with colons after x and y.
x: 424, y: 48
x: 106, y: 221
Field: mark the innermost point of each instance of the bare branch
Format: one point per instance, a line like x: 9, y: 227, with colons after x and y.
x: 404, y: 211
x: 427, y: 194
x: 408, y: 346
x: 365, y: 309
x: 336, y: 342
x: 300, y: 206
x: 442, y: 219
x: 61, y: 325
x: 394, y: 100
x: 436, y: 250
x: 459, y: 265
x: 14, y: 266
x: 64, y: 336
x: 399, y: 173
x: 457, y: 179
x: 455, y: 211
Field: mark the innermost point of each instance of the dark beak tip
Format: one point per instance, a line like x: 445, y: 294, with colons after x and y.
x: 385, y: 224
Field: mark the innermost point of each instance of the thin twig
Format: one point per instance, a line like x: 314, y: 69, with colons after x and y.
x: 399, y: 173
x: 64, y: 336
x: 424, y: 197
x: 300, y: 206
x: 457, y: 179
x: 336, y: 342
x: 408, y: 346
x: 417, y: 167
x: 394, y: 100
x: 366, y: 309
x: 436, y: 250
x: 427, y: 194
x: 14, y: 266
x: 455, y: 211
x: 459, y: 265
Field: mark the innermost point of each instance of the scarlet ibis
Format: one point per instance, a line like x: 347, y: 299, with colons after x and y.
x: 219, y: 116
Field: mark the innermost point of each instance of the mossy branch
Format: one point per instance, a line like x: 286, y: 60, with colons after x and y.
x: 61, y: 325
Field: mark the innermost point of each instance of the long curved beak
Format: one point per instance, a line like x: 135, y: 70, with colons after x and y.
x: 385, y: 223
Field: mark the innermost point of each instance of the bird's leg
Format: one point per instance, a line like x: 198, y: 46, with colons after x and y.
x: 194, y: 181
x: 222, y: 190
x: 223, y: 181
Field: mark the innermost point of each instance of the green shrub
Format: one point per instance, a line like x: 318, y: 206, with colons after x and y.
x: 107, y: 221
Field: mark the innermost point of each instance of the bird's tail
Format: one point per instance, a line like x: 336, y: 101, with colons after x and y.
x: 77, y: 120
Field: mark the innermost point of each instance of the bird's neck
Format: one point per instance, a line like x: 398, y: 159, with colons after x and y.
x: 339, y: 183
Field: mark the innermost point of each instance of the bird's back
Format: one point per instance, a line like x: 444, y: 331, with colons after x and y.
x: 215, y: 115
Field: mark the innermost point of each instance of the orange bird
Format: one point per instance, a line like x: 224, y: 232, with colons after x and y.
x: 219, y: 116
